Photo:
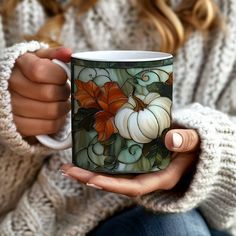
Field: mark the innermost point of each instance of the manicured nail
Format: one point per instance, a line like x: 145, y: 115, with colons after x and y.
x: 68, y: 176
x: 64, y: 174
x: 94, y: 186
x: 64, y: 168
x: 62, y: 171
x: 177, y: 140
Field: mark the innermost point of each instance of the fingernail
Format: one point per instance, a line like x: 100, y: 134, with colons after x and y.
x: 64, y: 174
x: 67, y: 176
x: 177, y: 140
x: 65, y: 168
x: 93, y: 186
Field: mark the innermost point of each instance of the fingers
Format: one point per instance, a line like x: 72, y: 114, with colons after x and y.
x: 41, y: 92
x: 134, y: 186
x: 84, y: 175
x: 145, y: 183
x: 33, y: 127
x: 66, y: 167
x: 25, y: 107
x: 78, y: 173
x: 41, y: 70
x: 182, y: 140
x: 63, y: 54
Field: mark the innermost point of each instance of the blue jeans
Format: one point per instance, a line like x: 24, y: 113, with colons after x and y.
x: 139, y: 222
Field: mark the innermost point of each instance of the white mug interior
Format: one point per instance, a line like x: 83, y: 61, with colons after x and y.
x: 121, y: 56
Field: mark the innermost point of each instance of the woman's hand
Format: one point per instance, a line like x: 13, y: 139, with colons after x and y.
x: 183, y: 142
x: 39, y: 92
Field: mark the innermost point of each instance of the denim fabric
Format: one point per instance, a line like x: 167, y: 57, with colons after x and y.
x: 140, y: 222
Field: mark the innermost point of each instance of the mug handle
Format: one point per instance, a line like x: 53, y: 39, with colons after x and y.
x: 47, y: 140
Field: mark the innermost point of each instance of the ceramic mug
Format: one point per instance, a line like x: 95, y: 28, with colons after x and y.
x: 120, y: 111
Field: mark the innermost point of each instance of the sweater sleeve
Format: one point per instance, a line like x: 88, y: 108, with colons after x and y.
x: 213, y: 185
x: 8, y: 132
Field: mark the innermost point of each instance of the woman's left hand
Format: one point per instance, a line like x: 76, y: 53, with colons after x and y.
x: 183, y: 142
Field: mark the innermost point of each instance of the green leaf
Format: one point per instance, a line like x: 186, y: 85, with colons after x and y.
x: 144, y: 164
x: 157, y: 153
x: 152, y: 161
x: 163, y: 89
x: 84, y: 119
x: 156, y: 147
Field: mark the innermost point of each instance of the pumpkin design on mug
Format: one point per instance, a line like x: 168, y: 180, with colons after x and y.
x: 144, y: 118
x: 120, y: 116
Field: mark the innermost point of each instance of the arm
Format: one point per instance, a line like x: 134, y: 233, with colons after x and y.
x: 8, y: 132
x: 213, y: 185
x: 20, y: 161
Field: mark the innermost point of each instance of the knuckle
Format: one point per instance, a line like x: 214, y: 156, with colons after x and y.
x: 190, y: 140
x: 50, y: 93
x: 142, y: 187
x: 54, y: 110
x: 137, y: 192
x: 21, y: 59
x: 193, y: 137
x: 170, y: 181
x: 67, y: 107
x: 38, y: 69
x: 67, y: 91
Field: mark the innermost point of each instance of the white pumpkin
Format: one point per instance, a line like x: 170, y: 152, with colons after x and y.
x: 145, y: 124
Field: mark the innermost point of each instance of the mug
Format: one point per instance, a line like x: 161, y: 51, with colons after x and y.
x: 120, y: 111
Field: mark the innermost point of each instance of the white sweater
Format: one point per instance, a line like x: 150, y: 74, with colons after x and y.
x: 36, y: 200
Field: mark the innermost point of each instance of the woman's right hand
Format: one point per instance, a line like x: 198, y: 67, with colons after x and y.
x: 40, y: 92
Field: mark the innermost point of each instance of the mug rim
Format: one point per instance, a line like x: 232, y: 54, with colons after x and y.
x: 121, y: 56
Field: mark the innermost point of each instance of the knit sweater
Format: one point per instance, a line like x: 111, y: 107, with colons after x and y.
x: 36, y: 200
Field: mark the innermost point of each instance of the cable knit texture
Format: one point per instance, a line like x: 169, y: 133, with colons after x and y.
x: 36, y: 200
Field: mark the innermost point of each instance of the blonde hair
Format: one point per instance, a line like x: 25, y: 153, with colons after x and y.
x: 174, y: 26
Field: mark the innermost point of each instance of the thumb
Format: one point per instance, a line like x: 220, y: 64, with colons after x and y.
x: 61, y: 53
x: 182, y: 140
